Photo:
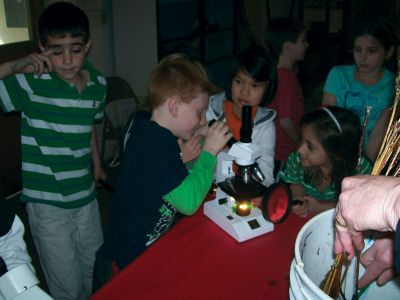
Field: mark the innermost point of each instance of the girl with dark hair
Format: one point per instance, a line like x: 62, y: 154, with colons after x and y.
x: 367, y: 83
x: 328, y: 152
x: 253, y: 83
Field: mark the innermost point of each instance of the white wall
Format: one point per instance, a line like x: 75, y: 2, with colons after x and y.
x: 135, y: 37
x: 102, y: 52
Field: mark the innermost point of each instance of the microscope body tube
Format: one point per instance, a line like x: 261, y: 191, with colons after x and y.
x: 246, y: 130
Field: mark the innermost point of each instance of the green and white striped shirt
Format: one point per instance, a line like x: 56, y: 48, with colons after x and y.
x: 56, y: 128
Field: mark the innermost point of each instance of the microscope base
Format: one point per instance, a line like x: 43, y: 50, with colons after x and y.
x: 240, y: 228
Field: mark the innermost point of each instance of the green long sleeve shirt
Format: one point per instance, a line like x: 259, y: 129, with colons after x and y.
x: 189, y: 195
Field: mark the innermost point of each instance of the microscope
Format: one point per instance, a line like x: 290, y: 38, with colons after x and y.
x: 232, y: 209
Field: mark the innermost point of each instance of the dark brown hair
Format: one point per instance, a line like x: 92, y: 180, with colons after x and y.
x: 341, y: 146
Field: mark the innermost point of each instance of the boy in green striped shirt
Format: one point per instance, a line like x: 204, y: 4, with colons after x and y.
x: 60, y: 95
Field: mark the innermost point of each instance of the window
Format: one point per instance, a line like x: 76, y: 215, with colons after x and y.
x: 18, y: 19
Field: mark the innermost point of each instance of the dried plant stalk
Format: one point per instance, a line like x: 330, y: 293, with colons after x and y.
x: 364, y: 128
x: 331, y: 285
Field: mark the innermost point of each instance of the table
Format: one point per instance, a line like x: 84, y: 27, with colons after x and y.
x: 198, y: 260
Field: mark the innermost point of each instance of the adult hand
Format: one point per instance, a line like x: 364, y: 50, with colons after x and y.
x: 378, y: 262
x: 366, y: 202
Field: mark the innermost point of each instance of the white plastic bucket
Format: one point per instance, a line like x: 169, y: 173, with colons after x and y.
x: 314, y: 257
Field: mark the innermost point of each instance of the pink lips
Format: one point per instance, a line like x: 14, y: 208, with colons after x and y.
x: 242, y: 102
x: 302, y: 159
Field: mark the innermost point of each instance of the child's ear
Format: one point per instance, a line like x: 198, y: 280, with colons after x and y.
x: 173, y: 105
x: 389, y: 53
x: 88, y: 46
x: 286, y: 46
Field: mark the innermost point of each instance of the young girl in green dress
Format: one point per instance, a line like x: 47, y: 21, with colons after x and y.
x: 328, y: 152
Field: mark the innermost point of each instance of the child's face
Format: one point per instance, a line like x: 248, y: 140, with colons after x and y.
x: 299, y: 48
x: 369, y: 54
x: 246, y: 91
x: 68, y: 56
x: 190, y: 116
x: 312, y: 153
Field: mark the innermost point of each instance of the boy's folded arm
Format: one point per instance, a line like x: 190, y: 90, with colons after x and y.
x: 5, y: 69
x: 188, y: 196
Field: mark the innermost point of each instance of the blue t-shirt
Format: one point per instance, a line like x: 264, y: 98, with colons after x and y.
x: 354, y: 95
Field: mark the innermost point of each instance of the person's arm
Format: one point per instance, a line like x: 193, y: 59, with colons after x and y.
x: 33, y: 63
x: 188, y: 196
x: 98, y: 170
x: 313, y: 206
x: 377, y: 134
x: 300, y: 206
x: 289, y: 128
x: 328, y: 99
x: 332, y: 83
x: 293, y: 174
x: 308, y: 205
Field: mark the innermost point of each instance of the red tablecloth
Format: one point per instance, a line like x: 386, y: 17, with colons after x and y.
x: 198, y: 260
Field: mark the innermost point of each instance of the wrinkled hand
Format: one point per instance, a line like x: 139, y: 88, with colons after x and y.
x: 366, y: 203
x: 378, y: 262
x: 218, y: 134
x: 190, y: 149
x: 37, y: 63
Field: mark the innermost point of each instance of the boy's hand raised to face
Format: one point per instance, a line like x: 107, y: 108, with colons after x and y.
x: 37, y: 63
x: 217, y: 137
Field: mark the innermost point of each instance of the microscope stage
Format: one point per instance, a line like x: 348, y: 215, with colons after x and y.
x: 241, y: 228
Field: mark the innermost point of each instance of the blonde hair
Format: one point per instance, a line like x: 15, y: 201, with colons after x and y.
x: 177, y: 75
